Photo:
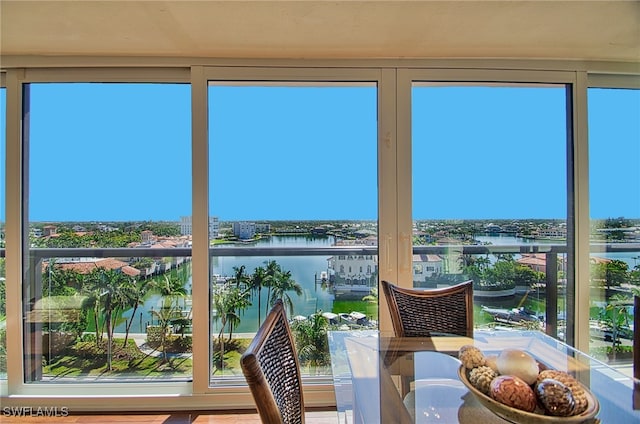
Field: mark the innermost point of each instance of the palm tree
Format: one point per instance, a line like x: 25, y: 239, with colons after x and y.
x: 110, y: 298
x: 282, y: 284
x: 256, y: 283
x: 372, y: 297
x: 171, y: 286
x: 272, y: 272
x: 172, y: 290
x: 240, y: 277
x: 311, y: 341
x: 92, y: 302
x: 237, y: 300
x: 165, y: 314
x: 136, y: 290
x: 467, y: 260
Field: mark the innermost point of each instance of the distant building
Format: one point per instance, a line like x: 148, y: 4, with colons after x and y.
x: 86, y: 265
x: 354, y: 275
x: 535, y: 261
x: 244, y: 230
x: 49, y: 230
x: 538, y: 262
x: 186, y: 227
x: 425, y: 266
x: 492, y: 228
x: 263, y: 228
x: 147, y: 237
x: 552, y: 233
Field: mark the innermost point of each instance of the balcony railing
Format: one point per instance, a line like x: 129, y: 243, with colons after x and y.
x: 552, y: 253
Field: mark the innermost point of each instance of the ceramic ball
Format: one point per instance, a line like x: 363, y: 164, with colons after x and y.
x: 518, y: 363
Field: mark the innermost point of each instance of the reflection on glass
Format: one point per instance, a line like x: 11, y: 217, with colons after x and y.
x: 489, y: 199
x: 109, y: 167
x: 292, y: 166
x: 614, y: 183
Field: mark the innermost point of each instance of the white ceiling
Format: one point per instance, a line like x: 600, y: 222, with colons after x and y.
x: 585, y: 30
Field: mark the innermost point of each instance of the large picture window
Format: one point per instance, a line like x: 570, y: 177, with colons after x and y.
x: 614, y: 182
x: 490, y: 198
x: 108, y: 168
x: 157, y: 222
x: 292, y: 166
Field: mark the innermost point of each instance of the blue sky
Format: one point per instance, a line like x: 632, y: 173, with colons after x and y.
x: 103, y: 152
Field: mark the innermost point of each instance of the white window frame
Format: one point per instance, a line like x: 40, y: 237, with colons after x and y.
x: 394, y: 193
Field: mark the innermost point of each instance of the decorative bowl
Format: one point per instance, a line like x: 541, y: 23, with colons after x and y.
x: 519, y: 416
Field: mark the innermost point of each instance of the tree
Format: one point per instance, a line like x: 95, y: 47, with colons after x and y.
x: 256, y: 282
x: 272, y: 272
x: 372, y: 297
x: 110, y: 299
x: 240, y: 277
x: 135, y: 290
x: 311, y: 341
x: 617, y: 317
x: 611, y: 273
x: 228, y: 301
x: 170, y: 285
x: 634, y: 276
x: 281, y: 286
x: 526, y: 276
x: 172, y: 289
x: 167, y: 312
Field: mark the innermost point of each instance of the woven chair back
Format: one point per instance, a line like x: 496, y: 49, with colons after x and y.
x: 421, y: 313
x: 271, y: 368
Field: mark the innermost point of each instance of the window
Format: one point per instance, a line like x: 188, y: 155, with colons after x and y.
x: 109, y: 167
x: 287, y: 154
x: 489, y: 185
x: 306, y: 172
x: 614, y: 204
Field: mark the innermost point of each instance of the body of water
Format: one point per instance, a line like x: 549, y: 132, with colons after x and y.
x: 305, y: 270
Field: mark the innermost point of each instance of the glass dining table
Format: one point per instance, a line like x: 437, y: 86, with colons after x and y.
x: 385, y: 379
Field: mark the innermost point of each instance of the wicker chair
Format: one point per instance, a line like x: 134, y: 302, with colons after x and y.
x: 271, y: 368
x: 419, y: 313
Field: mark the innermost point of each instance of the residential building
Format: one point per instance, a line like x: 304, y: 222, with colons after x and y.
x: 244, y: 230
x: 186, y: 226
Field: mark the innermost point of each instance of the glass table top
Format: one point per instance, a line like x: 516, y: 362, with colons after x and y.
x: 380, y: 379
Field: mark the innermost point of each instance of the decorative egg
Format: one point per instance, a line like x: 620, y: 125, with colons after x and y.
x: 514, y: 392
x: 518, y: 363
x: 556, y: 398
x: 579, y: 395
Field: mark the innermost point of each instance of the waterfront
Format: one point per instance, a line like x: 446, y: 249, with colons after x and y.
x: 305, y: 270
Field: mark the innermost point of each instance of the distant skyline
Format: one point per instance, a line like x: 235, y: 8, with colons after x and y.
x: 122, y: 152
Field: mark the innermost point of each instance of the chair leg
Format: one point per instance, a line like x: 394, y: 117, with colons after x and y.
x: 405, y: 385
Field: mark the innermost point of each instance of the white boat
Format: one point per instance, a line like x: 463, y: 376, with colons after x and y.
x: 513, y: 315
x: 331, y: 317
x: 357, y: 315
x: 354, y: 318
